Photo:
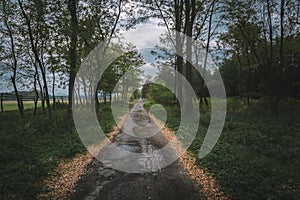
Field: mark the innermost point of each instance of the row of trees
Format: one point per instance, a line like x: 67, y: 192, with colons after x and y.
x: 257, y: 41
x: 263, y: 53
x: 117, y: 80
x: 43, y: 42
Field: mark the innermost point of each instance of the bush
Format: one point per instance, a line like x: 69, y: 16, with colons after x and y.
x: 160, y: 94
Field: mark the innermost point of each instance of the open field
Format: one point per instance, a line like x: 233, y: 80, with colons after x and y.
x: 12, y: 105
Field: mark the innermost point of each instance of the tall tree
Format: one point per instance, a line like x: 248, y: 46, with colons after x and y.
x: 72, y: 7
x: 190, y: 15
x: 6, y: 15
x: 35, y: 50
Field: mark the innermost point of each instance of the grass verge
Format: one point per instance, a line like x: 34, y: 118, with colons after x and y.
x: 33, y: 146
x: 257, y: 155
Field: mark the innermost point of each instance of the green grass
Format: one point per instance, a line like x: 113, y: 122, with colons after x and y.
x: 28, y: 105
x: 257, y: 155
x: 172, y: 111
x: 12, y: 105
x: 32, y: 146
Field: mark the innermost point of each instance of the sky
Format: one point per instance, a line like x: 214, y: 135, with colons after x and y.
x: 145, y: 37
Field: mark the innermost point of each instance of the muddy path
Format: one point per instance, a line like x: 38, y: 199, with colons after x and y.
x: 139, y: 135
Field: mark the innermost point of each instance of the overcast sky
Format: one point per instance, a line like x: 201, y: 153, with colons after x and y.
x: 145, y: 37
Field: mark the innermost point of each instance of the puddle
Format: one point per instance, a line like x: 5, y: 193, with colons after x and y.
x: 131, y: 148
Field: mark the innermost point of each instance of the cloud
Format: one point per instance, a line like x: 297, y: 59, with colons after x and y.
x: 149, y: 69
x: 144, y: 35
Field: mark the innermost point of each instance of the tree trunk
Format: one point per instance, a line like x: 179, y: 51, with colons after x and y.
x: 189, y: 19
x: 20, y: 107
x: 42, y: 95
x: 178, y: 58
x: 15, y: 62
x: 37, y: 78
x: 72, y: 6
x: 248, y: 78
x: 53, y: 90
x: 84, y: 90
x: 36, y: 93
x: 78, y: 92
x: 272, y: 90
x: 35, y: 52
x: 104, y: 97
x: 76, y: 97
x: 282, y: 57
x: 202, y: 89
x: 97, y: 105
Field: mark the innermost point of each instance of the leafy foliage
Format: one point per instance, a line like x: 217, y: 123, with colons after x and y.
x: 159, y: 94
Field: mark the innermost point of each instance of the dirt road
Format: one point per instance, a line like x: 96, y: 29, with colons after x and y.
x: 137, y: 136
